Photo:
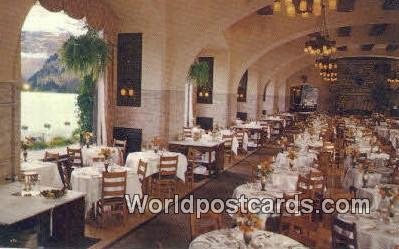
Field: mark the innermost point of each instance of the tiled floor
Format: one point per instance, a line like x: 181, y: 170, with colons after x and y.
x: 173, y: 230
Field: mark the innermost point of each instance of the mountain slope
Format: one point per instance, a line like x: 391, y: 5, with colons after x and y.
x: 54, y: 77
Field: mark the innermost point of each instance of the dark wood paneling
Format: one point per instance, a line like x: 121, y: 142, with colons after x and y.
x: 201, y: 97
x: 129, y: 68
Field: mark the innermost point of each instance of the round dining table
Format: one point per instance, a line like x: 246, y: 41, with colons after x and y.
x: 374, y: 232
x: 233, y: 238
x: 254, y: 190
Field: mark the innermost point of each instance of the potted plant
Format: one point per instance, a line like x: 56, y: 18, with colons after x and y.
x: 198, y: 74
x: 86, y: 55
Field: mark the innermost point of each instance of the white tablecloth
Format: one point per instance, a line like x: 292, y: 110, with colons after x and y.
x: 153, y: 160
x: 253, y: 190
x: 48, y: 172
x: 88, y: 180
x: 233, y: 238
x: 372, y: 233
x: 304, y: 159
x: 354, y: 177
x: 89, y: 153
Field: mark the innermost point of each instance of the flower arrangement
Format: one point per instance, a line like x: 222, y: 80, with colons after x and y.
x: 393, y: 197
x: 25, y: 145
x: 265, y: 169
x: 291, y: 154
x: 87, y: 137
x: 248, y: 222
x: 106, y: 153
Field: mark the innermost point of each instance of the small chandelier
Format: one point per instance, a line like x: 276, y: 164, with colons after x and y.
x: 329, y: 75
x: 393, y: 81
x: 326, y: 62
x: 321, y: 44
x: 305, y: 8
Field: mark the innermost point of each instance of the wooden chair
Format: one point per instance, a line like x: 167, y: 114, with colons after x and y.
x: 395, y: 175
x: 193, y: 156
x: 122, y: 145
x: 167, y: 174
x: 344, y: 234
x: 65, y: 169
x: 161, y: 143
x: 228, y: 143
x: 325, y: 159
x: 187, y: 132
x: 334, y: 177
x: 304, y: 184
x: 98, y: 159
x: 112, y: 200
x: 51, y: 157
x: 141, y: 173
x: 76, y: 156
x: 206, y: 223
x: 335, y: 194
x: 297, y: 226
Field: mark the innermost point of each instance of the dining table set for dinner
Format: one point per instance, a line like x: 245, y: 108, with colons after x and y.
x: 233, y: 238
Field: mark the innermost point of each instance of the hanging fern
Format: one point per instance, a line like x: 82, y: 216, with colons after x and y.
x: 199, y: 73
x: 86, y: 55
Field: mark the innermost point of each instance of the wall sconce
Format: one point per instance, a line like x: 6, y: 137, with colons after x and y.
x: 206, y: 94
x: 200, y: 94
x: 123, y: 92
x: 131, y: 92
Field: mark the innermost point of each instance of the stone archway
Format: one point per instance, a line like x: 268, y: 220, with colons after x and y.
x: 100, y: 17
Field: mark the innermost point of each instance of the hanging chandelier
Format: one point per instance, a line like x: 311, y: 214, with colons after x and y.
x: 330, y: 75
x: 393, y: 80
x: 320, y: 44
x: 326, y: 62
x: 304, y: 8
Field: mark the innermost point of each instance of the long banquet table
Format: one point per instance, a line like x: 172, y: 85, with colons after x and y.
x: 62, y: 219
x: 214, y: 151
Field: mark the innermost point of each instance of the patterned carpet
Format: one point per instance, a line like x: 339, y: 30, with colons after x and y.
x: 172, y: 231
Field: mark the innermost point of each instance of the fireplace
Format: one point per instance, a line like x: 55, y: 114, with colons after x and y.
x: 205, y: 123
x: 242, y: 116
x: 131, y: 135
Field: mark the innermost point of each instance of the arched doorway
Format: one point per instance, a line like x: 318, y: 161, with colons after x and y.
x: 62, y: 19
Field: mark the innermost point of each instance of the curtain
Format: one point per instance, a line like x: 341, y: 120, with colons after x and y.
x: 101, y: 125
x: 188, y: 105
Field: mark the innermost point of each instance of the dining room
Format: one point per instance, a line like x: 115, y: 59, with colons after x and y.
x: 200, y: 124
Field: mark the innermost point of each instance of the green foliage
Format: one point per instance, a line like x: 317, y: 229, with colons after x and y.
x: 199, y: 73
x: 87, y: 56
x: 55, y: 142
x: 85, y: 103
x: 38, y: 145
x: 61, y: 141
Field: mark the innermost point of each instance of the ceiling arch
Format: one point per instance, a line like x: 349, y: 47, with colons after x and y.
x: 248, y: 45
